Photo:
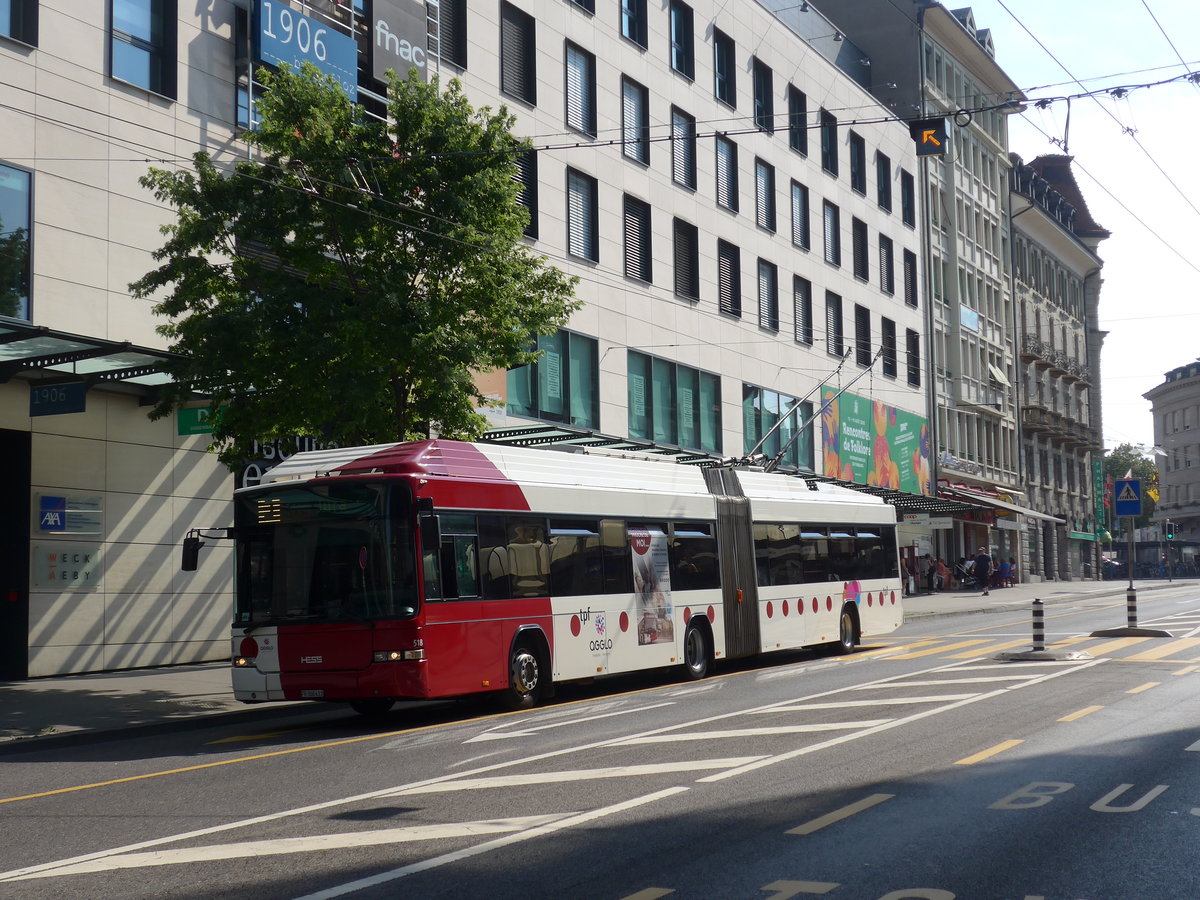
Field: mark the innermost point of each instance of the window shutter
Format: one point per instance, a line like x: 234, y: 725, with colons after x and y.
x: 687, y: 278
x: 727, y: 173
x: 527, y: 177
x: 581, y: 113
x: 516, y: 54
x: 728, y: 279
x: 802, y: 309
x: 637, y: 239
x: 768, y: 298
x: 580, y: 226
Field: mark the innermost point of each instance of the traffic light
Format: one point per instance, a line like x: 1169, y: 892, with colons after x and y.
x: 1170, y: 530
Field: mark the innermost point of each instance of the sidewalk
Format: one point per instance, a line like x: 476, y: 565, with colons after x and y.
x: 31, y: 712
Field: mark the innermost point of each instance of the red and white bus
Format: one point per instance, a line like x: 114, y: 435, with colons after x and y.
x: 440, y: 568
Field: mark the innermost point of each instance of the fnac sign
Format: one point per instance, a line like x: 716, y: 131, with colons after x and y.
x: 399, y: 35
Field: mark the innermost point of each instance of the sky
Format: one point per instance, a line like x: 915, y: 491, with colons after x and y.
x: 1135, y: 162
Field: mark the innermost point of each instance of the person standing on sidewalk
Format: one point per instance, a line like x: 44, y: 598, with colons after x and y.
x: 983, y: 569
x: 927, y: 571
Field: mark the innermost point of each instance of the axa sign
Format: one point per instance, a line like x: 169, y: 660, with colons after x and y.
x: 398, y: 38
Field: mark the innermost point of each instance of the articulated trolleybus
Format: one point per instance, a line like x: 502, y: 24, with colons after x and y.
x: 440, y: 568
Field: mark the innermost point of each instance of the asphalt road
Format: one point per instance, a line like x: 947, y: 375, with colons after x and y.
x: 921, y: 767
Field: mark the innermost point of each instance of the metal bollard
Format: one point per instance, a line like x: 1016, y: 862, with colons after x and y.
x: 1131, y: 608
x: 1039, y: 626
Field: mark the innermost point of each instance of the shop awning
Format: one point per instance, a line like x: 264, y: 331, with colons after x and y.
x: 987, y: 500
x: 46, y: 357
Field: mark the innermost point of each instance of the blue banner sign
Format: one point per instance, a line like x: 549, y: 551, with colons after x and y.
x: 57, y: 399
x: 282, y: 35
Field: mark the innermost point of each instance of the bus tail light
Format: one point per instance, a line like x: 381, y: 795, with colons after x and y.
x: 396, y: 655
x: 247, y: 653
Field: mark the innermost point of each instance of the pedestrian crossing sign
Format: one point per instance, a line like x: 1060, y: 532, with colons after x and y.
x: 1128, y: 497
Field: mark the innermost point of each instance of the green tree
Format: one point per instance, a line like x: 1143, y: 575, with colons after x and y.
x: 1132, y: 458
x: 346, y: 282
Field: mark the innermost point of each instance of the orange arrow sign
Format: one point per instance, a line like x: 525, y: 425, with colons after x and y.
x: 929, y: 137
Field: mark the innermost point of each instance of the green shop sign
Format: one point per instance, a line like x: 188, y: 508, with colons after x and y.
x: 870, y: 442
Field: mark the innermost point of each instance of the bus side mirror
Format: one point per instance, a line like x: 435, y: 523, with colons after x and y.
x: 191, y: 553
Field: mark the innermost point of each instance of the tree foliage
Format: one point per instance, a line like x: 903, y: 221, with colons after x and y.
x: 346, y: 281
x: 1132, y: 457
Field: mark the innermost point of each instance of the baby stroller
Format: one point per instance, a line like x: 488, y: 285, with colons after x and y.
x: 966, y: 578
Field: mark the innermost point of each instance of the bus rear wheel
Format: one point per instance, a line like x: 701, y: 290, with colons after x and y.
x: 696, y: 653
x: 847, y: 632
x: 525, y: 679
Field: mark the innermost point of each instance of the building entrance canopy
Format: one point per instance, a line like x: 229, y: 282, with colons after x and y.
x: 995, y: 502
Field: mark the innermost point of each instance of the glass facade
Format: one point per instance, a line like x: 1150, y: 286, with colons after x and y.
x: 562, y: 386
x: 670, y: 403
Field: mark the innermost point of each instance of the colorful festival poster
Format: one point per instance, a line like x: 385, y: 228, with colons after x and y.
x: 870, y: 442
x: 652, y: 586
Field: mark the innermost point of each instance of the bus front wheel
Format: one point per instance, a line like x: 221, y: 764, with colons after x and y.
x: 525, y: 679
x: 847, y: 631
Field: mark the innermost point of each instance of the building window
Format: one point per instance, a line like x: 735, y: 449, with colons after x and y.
x: 858, y: 163
x: 683, y: 149
x: 583, y: 226
x: 833, y: 236
x: 633, y: 21
x: 143, y: 44
x: 797, y: 120
x: 637, y: 238
x: 768, y: 295
x: 862, y: 335
x: 908, y: 200
x: 887, y: 274
x: 15, y: 192
x: 635, y: 121
x: 518, y: 54
x: 887, y: 344
x: 687, y: 260
x: 452, y: 32
x: 562, y: 385
x: 527, y: 196
x: 883, y: 181
x: 834, y: 345
x: 764, y: 97
x: 671, y: 403
x: 729, y: 279
x: 19, y: 20
x: 727, y: 173
x: 910, y: 278
x: 858, y: 240
x: 913, y: 345
x: 588, y: 5
x: 724, y: 69
x: 764, y: 195
x: 761, y: 411
x: 802, y: 310
x: 580, y: 89
x: 829, y: 149
x: 683, y: 52
x: 801, y: 233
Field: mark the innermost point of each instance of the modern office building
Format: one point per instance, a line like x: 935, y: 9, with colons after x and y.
x: 1057, y: 274
x: 739, y: 209
x: 1175, y: 406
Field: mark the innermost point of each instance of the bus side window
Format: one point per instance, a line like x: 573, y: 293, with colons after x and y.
x: 493, y: 558
x: 693, y: 556
x: 458, y: 558
x: 618, y: 564
x: 575, y: 565
x: 528, y: 557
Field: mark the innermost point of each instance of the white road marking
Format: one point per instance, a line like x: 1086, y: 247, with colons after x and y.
x: 680, y: 737
x: 497, y: 733
x: 935, y: 682
x: 850, y: 704
x: 557, y: 777
x: 488, y: 846
x: 279, y: 846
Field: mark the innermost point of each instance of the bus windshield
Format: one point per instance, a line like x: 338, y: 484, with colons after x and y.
x: 325, y: 552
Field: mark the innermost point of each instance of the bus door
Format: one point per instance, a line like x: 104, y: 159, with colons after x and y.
x: 735, y: 543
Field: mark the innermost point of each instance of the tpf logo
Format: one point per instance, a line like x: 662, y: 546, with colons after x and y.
x: 52, y: 515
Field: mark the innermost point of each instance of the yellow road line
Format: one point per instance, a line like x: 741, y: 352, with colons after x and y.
x: 988, y: 754
x: 1170, y: 648
x: 994, y: 648
x: 1186, y: 670
x: 1118, y: 644
x: 838, y: 814
x: 896, y: 649
x: 1079, y: 714
x: 1144, y: 687
x: 650, y: 894
x: 917, y: 654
